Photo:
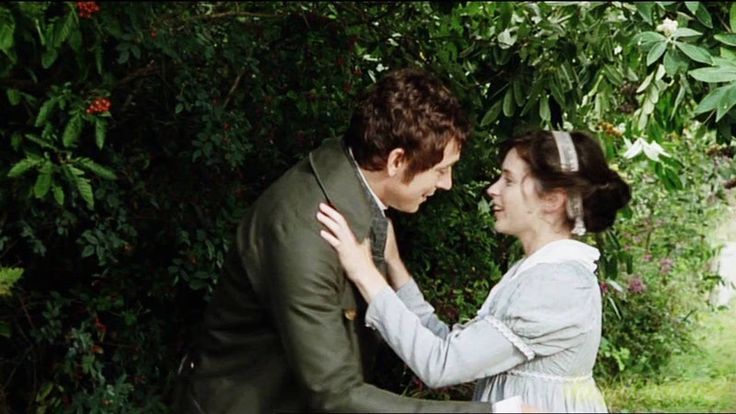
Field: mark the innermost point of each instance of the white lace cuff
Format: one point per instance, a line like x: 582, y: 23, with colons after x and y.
x: 512, y: 337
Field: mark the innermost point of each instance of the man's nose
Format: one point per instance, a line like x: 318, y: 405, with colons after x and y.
x: 445, y: 181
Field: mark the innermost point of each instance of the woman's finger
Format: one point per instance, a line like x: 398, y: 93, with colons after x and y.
x: 329, y: 223
x: 333, y: 214
x: 330, y: 238
x: 344, y: 232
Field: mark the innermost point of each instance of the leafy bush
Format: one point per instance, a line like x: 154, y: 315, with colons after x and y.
x: 136, y: 135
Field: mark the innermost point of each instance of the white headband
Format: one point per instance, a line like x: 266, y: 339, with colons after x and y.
x: 569, y: 163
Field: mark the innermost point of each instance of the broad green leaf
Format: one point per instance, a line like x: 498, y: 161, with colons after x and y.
x: 685, y: 32
x: 715, y: 74
x: 492, y: 114
x: 13, y: 96
x: 544, y: 112
x: 98, y: 59
x: 5, y: 330
x: 75, y: 42
x: 58, y: 194
x: 8, y: 277
x: 22, y: 166
x: 678, y: 100
x: 63, y: 30
x: 727, y: 101
x: 724, y: 62
x: 656, y: 52
x: 48, y: 58
x: 674, y: 62
x: 703, y: 16
x: 613, y: 75
x: 645, y: 83
x: 88, y: 250
x: 645, y: 10
x: 646, y: 38
x: 710, y: 102
x: 44, y: 392
x: 726, y: 38
x: 554, y: 88
x: 72, y: 131
x: 7, y: 29
x: 82, y: 184
x: 726, y: 54
x: 101, y: 171
x: 43, y: 113
x: 43, y: 182
x: 518, y: 93
x: 692, y: 6
x: 508, y: 103
x: 695, y: 53
x: 100, y: 131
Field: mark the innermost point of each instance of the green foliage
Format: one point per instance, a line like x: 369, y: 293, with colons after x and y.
x: 121, y: 215
x: 8, y: 277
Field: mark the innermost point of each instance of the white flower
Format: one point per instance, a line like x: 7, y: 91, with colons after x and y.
x: 617, y: 50
x: 651, y: 150
x: 506, y: 39
x: 668, y: 27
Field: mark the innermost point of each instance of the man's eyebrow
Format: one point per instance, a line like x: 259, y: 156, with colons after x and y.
x: 508, y: 172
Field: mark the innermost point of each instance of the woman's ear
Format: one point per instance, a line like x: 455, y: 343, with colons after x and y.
x: 554, y: 200
x: 396, y: 161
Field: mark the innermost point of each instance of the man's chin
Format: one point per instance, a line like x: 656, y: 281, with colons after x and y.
x: 408, y: 208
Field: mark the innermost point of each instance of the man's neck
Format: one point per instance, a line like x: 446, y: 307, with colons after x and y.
x: 371, y: 181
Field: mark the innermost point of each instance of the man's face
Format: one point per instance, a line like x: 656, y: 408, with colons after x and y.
x: 408, y: 196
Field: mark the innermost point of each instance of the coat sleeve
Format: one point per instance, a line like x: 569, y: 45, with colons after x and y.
x: 303, y: 283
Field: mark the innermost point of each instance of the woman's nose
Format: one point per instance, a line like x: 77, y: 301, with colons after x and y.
x: 491, y: 190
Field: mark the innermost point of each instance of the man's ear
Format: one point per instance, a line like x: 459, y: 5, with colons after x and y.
x: 396, y: 161
x: 554, y: 200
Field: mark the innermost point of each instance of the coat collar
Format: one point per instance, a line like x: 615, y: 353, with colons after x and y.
x: 339, y: 180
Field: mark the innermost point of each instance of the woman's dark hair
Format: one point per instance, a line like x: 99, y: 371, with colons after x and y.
x: 409, y: 109
x: 602, y: 190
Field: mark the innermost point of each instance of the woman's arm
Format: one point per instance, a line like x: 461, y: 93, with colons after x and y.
x: 407, y: 289
x: 481, y: 348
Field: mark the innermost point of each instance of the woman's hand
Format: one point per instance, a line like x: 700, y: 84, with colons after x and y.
x: 355, y: 257
x: 397, y: 273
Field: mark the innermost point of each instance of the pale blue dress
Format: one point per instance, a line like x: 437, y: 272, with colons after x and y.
x: 536, y: 335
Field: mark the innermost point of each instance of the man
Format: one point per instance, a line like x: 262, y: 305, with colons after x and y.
x: 285, y: 329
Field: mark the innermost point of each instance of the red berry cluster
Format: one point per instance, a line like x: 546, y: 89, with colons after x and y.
x: 99, y: 105
x: 87, y: 8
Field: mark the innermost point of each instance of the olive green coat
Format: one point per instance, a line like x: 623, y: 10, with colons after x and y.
x: 285, y: 329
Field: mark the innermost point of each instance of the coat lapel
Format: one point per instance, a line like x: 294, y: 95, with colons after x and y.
x: 341, y: 184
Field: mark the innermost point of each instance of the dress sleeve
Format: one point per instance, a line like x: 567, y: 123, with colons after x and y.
x: 554, y: 308
x: 414, y: 300
x: 470, y: 351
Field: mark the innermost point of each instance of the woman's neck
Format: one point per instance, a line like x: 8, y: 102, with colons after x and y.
x: 534, y: 242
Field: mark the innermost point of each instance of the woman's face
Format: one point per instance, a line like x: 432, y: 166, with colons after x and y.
x: 515, y: 200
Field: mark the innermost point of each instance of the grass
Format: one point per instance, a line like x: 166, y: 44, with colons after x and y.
x: 703, y: 380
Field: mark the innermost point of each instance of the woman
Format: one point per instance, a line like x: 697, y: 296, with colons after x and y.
x: 538, y: 332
